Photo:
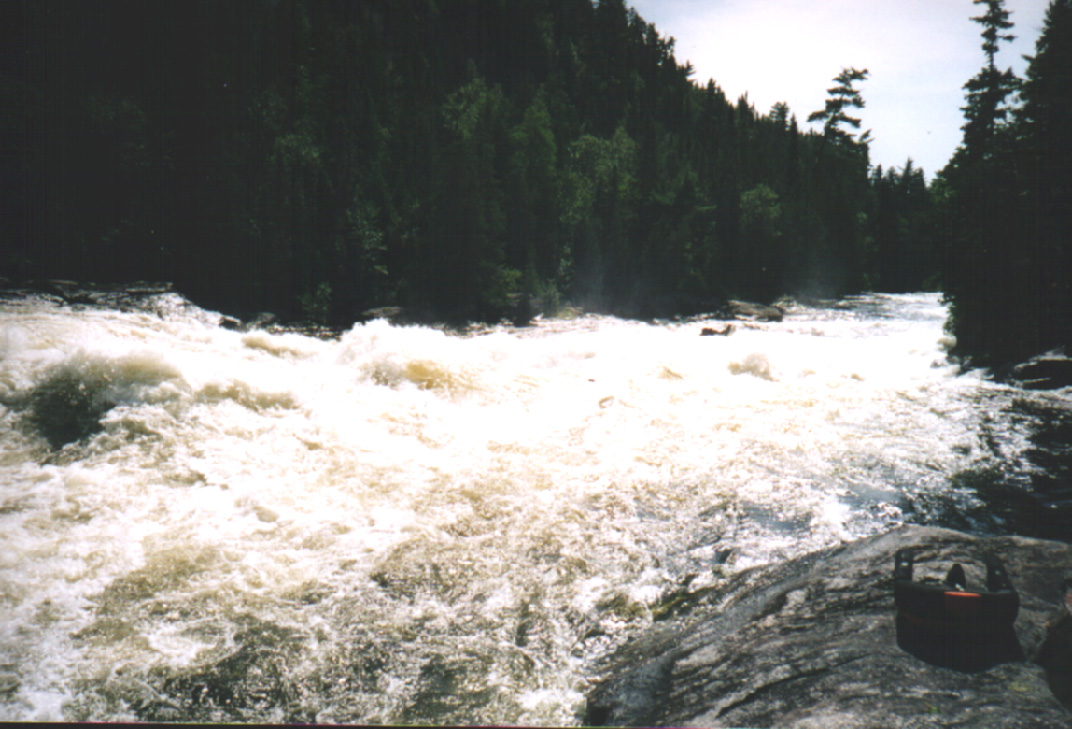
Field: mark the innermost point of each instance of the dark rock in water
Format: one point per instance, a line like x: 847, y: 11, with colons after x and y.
x: 1048, y: 371
x: 68, y: 406
x: 674, y: 306
x: 255, y: 321
x: 134, y: 296
x: 816, y: 642
x: 390, y: 313
x: 58, y: 286
x: 524, y: 308
x: 262, y: 319
x: 712, y: 332
x: 747, y: 311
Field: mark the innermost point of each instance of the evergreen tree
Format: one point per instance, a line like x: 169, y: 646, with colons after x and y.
x: 320, y: 158
x: 843, y: 96
x: 901, y: 216
x: 761, y: 239
x: 988, y: 90
x: 985, y: 212
x: 1044, y: 138
x: 839, y: 183
x: 1008, y: 196
x: 779, y: 114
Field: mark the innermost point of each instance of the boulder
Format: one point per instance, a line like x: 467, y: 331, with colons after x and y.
x: 816, y: 642
x: 260, y: 320
x: 390, y: 313
x: 712, y: 332
x: 747, y: 311
x: 523, y: 308
x: 1048, y: 371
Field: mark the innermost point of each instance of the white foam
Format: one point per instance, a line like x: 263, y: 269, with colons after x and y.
x: 407, y: 487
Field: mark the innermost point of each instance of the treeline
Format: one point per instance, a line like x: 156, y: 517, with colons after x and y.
x: 1004, y: 202
x: 318, y: 157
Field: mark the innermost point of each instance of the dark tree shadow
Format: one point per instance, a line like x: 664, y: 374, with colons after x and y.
x: 1055, y: 656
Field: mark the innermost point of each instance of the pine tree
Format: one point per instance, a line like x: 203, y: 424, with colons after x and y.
x: 841, y: 97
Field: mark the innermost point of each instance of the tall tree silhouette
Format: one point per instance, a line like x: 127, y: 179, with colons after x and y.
x: 988, y: 90
x: 984, y: 209
x: 1044, y: 135
x: 1007, y: 194
x: 843, y: 96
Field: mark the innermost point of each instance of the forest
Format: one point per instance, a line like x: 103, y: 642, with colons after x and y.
x: 317, y: 158
x: 1004, y: 201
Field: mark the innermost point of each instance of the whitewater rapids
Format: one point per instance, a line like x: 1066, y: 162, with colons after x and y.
x: 406, y: 526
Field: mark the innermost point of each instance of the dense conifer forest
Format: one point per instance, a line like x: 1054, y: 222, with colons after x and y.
x: 317, y: 158
x: 1004, y: 201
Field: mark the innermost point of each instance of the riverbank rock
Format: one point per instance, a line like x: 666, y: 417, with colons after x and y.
x: 747, y: 311
x: 815, y: 642
x: 1048, y: 371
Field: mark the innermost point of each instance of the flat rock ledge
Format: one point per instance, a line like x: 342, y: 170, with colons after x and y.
x: 816, y: 642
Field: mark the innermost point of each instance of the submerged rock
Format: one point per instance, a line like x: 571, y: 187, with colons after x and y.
x: 816, y: 642
x: 260, y: 320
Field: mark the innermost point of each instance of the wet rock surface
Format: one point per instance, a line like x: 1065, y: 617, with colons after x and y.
x: 816, y: 642
x: 1045, y: 509
x: 1049, y: 371
x: 748, y: 311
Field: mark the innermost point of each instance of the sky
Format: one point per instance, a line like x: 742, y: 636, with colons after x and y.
x: 919, y: 54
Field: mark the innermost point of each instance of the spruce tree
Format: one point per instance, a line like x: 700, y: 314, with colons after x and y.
x: 986, y: 268
x: 988, y: 90
x: 1044, y: 141
x: 779, y: 114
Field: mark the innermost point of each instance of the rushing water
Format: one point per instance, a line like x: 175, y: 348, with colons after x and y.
x: 402, y: 526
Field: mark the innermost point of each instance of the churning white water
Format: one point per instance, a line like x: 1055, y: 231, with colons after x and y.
x: 408, y: 526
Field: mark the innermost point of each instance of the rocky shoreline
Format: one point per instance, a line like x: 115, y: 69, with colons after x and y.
x: 816, y: 642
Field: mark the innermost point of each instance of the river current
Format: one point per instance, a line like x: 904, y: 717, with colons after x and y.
x: 402, y: 525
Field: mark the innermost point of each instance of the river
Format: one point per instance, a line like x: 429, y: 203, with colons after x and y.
x: 402, y: 525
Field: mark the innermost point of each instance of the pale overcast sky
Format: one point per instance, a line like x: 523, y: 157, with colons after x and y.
x: 919, y: 52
